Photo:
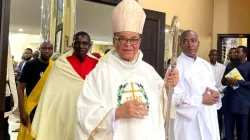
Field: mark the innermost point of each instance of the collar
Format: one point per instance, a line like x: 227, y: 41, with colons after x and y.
x: 216, y: 64
x: 115, y: 60
x: 126, y: 62
x: 189, y: 59
x: 75, y: 57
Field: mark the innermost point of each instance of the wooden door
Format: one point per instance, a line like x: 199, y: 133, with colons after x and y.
x: 4, y: 35
x: 153, y: 40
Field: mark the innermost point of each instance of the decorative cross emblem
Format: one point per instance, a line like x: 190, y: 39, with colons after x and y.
x: 132, y: 91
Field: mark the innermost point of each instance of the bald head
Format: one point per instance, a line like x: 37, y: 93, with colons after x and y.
x: 46, y: 50
x: 187, y: 32
x: 46, y: 43
x: 36, y: 54
x: 189, y: 43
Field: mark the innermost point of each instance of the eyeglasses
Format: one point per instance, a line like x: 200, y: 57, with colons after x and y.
x: 132, y: 41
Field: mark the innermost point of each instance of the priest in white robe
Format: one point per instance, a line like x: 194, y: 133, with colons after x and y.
x: 196, y: 97
x: 123, y: 97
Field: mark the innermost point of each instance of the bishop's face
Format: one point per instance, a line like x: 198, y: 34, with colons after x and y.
x: 127, y: 44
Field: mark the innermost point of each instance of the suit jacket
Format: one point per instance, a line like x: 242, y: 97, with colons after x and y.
x: 19, y: 68
x: 237, y: 100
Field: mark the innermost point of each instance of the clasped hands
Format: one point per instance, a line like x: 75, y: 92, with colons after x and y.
x: 210, y: 97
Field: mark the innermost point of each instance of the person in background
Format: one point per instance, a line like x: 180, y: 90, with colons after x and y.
x: 237, y: 97
x: 53, y: 122
x: 218, y: 71
x: 27, y: 55
x: 31, y: 83
x: 232, y: 55
x: 36, y: 54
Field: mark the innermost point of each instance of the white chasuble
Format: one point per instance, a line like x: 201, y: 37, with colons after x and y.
x: 194, y: 120
x: 109, y: 85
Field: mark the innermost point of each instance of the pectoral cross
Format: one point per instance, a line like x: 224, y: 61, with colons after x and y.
x: 132, y: 91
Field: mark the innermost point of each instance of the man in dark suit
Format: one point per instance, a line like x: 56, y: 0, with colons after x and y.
x: 236, y: 101
x: 27, y: 55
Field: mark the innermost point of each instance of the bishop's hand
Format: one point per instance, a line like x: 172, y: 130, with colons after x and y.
x: 210, y: 97
x: 172, y: 78
x: 131, y: 109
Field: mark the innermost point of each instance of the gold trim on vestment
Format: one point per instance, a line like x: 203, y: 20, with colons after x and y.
x: 93, y: 133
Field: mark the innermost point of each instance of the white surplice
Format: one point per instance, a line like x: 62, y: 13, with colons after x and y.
x: 194, y: 120
x: 112, y: 83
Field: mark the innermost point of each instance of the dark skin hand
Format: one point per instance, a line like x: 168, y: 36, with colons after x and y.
x: 23, y: 115
x: 231, y: 81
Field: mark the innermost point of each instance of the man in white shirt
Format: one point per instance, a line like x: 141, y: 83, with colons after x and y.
x: 195, y: 96
x: 218, y: 71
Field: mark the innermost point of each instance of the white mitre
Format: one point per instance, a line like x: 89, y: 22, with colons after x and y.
x: 128, y: 15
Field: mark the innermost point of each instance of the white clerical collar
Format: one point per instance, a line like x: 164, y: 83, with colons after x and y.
x: 126, y: 62
x: 188, y: 58
x: 119, y: 63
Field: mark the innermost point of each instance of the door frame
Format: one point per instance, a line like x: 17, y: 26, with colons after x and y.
x: 108, y: 2
x: 4, y: 42
x: 221, y: 36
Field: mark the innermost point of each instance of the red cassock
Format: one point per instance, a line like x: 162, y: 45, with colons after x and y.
x: 82, y: 68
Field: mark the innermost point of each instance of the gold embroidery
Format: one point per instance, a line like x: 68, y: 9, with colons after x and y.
x: 132, y: 91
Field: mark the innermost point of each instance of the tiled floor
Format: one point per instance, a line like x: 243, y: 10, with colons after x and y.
x: 13, y: 125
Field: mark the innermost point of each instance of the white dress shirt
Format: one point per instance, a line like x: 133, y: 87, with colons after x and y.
x: 218, y: 71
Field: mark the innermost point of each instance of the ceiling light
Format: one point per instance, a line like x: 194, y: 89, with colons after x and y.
x: 166, y: 30
x: 20, y: 30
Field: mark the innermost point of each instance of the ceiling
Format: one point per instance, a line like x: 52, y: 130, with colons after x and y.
x: 93, y: 18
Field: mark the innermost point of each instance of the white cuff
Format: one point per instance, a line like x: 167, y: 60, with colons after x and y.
x: 114, y: 123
